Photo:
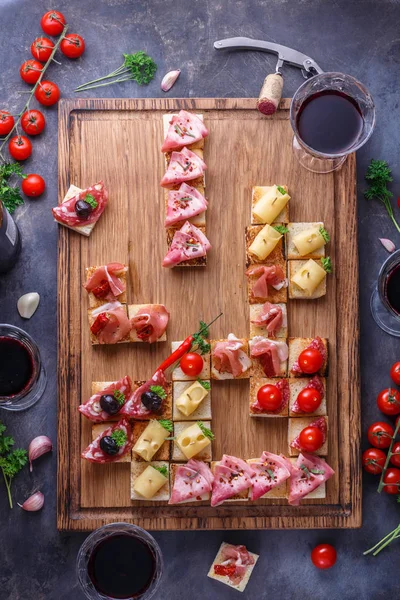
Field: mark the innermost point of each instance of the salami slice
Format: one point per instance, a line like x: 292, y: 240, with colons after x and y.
x: 134, y: 408
x: 93, y: 453
x: 92, y: 409
x: 65, y: 213
x: 320, y: 423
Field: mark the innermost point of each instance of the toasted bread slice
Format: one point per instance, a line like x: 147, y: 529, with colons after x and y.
x: 241, y: 496
x: 318, y: 494
x: 177, y: 454
x: 198, y: 220
x: 85, y: 230
x: 274, y: 296
x: 296, y: 346
x: 98, y: 428
x: 166, y: 123
x: 295, y: 387
x: 278, y: 492
x: 198, y: 500
x: 93, y: 338
x: 215, y: 374
x: 291, y: 250
x: 277, y: 256
x: 163, y: 453
x: 200, y: 261
x: 295, y: 292
x: 255, y: 384
x: 255, y: 310
x: 258, y: 192
x: 198, y: 183
x: 240, y: 587
x: 202, y: 412
x: 95, y: 302
x: 133, y: 309
x: 179, y: 375
x: 294, y: 429
x: 258, y: 370
x: 137, y: 468
x: 166, y: 411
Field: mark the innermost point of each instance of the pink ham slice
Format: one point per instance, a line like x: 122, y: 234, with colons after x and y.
x: 109, y: 273
x: 183, y: 166
x: 185, y: 203
x: 315, y: 383
x: 92, y: 409
x: 118, y: 325
x: 134, y: 408
x: 189, y: 242
x: 307, y: 474
x: 270, y: 317
x: 193, y: 481
x: 184, y: 129
x: 270, y: 354
x: 95, y: 454
x: 150, y: 322
x: 270, y: 471
x: 231, y: 476
x: 65, y: 212
x: 283, y: 386
x: 228, y: 357
x: 320, y: 424
x: 238, y: 556
x: 273, y: 276
x: 316, y: 344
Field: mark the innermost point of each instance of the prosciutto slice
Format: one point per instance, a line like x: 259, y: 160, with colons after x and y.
x: 231, y: 476
x: 283, y: 386
x: 134, y: 408
x: 184, y: 129
x: 229, y: 358
x: 65, y: 212
x: 270, y: 354
x: 185, y: 203
x: 108, y: 274
x: 237, y: 556
x: 183, y: 166
x: 118, y: 325
x: 193, y: 481
x: 315, y: 383
x: 273, y: 276
x: 189, y: 242
x: 270, y: 471
x: 316, y: 344
x: 150, y: 322
x: 271, y: 317
x: 95, y: 454
x: 92, y: 409
x: 307, y: 474
x: 320, y: 424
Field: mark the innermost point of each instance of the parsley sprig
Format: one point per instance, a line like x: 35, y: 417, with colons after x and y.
x: 205, y: 384
x: 119, y: 437
x: 10, y: 195
x: 281, y: 229
x: 378, y: 176
x: 11, y: 461
x: 325, y: 234
x: 207, y: 432
x: 326, y: 263
x: 163, y: 469
x: 167, y: 424
x: 159, y: 390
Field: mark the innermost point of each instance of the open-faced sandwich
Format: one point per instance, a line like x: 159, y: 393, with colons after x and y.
x: 270, y: 357
x: 307, y: 396
x: 106, y: 284
x: 183, y: 129
x: 306, y: 240
x: 308, y: 356
x: 151, y: 399
x: 185, y: 204
x: 308, y: 434
x: 184, y: 166
x: 269, y: 397
x: 265, y: 241
x: 269, y: 320
x: 269, y: 204
x: 230, y: 358
x: 150, y: 481
x: 191, y: 482
x: 192, y: 400
x: 307, y: 278
x: 149, y: 322
x: 107, y: 399
x: 192, y: 440
x: 271, y: 474
x: 308, y: 474
x: 150, y: 441
x: 267, y: 283
x: 233, y: 566
x: 81, y: 209
x: 188, y: 247
x: 111, y: 443
x: 232, y: 480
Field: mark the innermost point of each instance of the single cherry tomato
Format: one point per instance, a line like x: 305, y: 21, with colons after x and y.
x: 310, y: 360
x: 20, y: 147
x: 6, y: 122
x: 30, y: 71
x: 33, y: 185
x: 41, y: 48
x: 309, y: 399
x: 192, y: 363
x: 395, y: 373
x: 323, y: 556
x: 33, y: 122
x: 73, y: 45
x: 52, y: 22
x: 380, y: 434
x: 47, y: 93
x: 392, y: 476
x: 373, y: 460
x: 395, y: 458
x: 311, y: 439
x: 269, y: 397
x: 388, y: 402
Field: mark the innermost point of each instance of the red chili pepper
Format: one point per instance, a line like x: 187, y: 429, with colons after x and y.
x: 177, y: 354
x: 100, y: 322
x: 102, y: 290
x: 224, y: 569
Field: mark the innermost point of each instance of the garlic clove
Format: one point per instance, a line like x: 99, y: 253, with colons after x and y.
x: 38, y: 446
x: 28, y: 304
x: 387, y: 244
x: 33, y: 503
x: 169, y: 80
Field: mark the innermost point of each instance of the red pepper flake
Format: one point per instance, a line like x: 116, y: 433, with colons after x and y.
x: 100, y: 322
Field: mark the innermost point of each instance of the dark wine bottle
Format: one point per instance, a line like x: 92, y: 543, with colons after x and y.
x: 10, y: 240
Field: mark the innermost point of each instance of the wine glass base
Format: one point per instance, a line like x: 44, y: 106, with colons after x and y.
x: 382, y: 317
x: 314, y: 164
x: 31, y: 397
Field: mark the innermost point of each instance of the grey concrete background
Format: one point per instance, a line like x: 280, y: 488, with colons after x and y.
x: 361, y: 38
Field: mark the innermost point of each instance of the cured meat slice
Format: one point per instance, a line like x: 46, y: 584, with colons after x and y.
x: 231, y: 476
x: 150, y: 322
x: 271, y: 317
x: 235, y: 562
x: 316, y: 344
x: 189, y: 242
x: 115, y: 325
x: 106, y: 283
x: 183, y: 166
x: 193, y: 481
x: 185, y: 129
x: 270, y: 354
x: 228, y: 356
x: 270, y: 471
x: 66, y: 214
x: 320, y: 423
x: 314, y: 383
x: 185, y: 203
x: 95, y: 454
x: 307, y: 474
x: 92, y: 409
x: 134, y: 408
x: 283, y: 386
x: 268, y: 275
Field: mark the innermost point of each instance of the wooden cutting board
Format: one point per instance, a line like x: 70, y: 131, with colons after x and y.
x: 119, y: 141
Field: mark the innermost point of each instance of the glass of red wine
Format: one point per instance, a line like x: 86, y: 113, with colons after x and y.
x: 119, y: 561
x: 22, y: 374
x: 332, y: 115
x: 385, y: 299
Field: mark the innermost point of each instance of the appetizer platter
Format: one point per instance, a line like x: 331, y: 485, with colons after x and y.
x: 253, y: 421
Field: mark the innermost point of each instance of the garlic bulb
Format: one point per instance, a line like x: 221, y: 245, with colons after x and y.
x: 169, y: 80
x: 28, y: 304
x: 33, y: 503
x: 38, y: 446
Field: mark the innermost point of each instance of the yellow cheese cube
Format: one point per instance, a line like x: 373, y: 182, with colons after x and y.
x: 191, y: 398
x: 192, y: 441
x: 264, y: 242
x: 308, y: 241
x: 151, y: 440
x: 149, y: 482
x: 309, y: 276
x: 270, y: 205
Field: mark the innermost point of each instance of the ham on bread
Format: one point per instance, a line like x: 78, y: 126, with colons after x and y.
x: 228, y: 357
x: 188, y: 242
x: 193, y: 481
x: 114, y: 324
x: 270, y: 471
x: 307, y: 474
x: 183, y: 166
x: 92, y: 409
x: 231, y: 476
x: 271, y: 317
x: 185, y: 203
x: 184, y: 129
x: 271, y: 354
x: 267, y: 275
x: 105, y: 283
x: 150, y: 322
x: 66, y: 214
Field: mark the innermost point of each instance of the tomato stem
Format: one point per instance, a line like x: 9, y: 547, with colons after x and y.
x: 389, y: 455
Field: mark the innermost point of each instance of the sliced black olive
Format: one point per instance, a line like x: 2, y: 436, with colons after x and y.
x: 109, y: 404
x: 108, y: 445
x: 83, y: 209
x: 152, y: 401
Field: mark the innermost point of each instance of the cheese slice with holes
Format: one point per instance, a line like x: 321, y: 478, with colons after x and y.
x: 264, y: 242
x: 309, y: 276
x: 270, y: 204
x: 192, y: 441
x: 151, y: 440
x: 308, y: 241
x: 191, y: 398
x: 149, y: 482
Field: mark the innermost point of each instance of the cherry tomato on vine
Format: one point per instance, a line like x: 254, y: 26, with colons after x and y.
x: 192, y: 363
x: 380, y: 434
x: 310, y: 360
x: 388, y: 402
x: 33, y: 122
x: 323, y: 556
x: 269, y: 397
x: 6, y: 122
x: 392, y: 476
x: 47, y: 93
x: 373, y: 460
x: 311, y: 439
x: 309, y: 399
x: 30, y: 71
x: 52, y: 22
x: 20, y: 147
x: 395, y: 458
x: 73, y: 45
x: 41, y: 48
x: 395, y: 373
x: 33, y: 185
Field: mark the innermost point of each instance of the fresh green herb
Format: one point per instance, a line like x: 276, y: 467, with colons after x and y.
x: 10, y: 195
x: 184, y: 167
x: 271, y: 473
x: 378, y: 176
x: 281, y: 190
x: 91, y: 200
x: 281, y: 229
x: 119, y: 396
x: 206, y: 384
x: 393, y: 535
x: 190, y: 245
x: 317, y: 471
x: 179, y: 131
x: 166, y: 424
x: 325, y: 234
x: 11, y: 461
x: 327, y: 264
x: 201, y: 344
x: 207, y: 432
x: 163, y: 470
x: 159, y: 390
x: 204, y: 329
x: 119, y: 437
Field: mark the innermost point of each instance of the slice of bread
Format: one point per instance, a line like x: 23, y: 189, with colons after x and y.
x: 198, y: 220
x: 98, y: 428
x: 166, y: 123
x: 133, y: 309
x: 277, y: 256
x: 318, y: 494
x: 296, y: 426
x: 177, y: 454
x: 93, y: 338
x: 200, y: 261
x: 137, y: 469
x: 215, y: 374
x: 274, y: 296
x: 241, y: 496
x: 258, y: 370
x: 166, y: 411
x: 179, y: 375
x: 202, y: 412
x: 279, y: 492
x: 296, y: 346
x: 240, y: 587
x: 163, y: 453
x: 258, y: 192
x: 295, y: 292
x: 255, y: 310
x: 295, y: 229
x: 205, y: 498
x: 255, y: 384
x: 95, y: 302
x: 295, y: 387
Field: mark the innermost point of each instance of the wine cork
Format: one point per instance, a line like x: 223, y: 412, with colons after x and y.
x: 270, y: 95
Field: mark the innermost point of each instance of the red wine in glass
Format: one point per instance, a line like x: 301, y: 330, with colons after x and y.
x: 16, y: 367
x: 392, y: 289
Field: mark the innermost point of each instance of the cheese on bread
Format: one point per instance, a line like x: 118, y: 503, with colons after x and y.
x: 191, y: 398
x: 192, y: 440
x: 309, y: 276
x: 151, y: 440
x: 271, y: 204
x: 149, y: 482
x: 264, y: 242
x: 309, y: 240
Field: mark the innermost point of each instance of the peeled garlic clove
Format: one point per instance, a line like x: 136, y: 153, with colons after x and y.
x: 38, y: 446
x: 33, y: 503
x: 169, y: 80
x: 387, y: 244
x: 28, y: 304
